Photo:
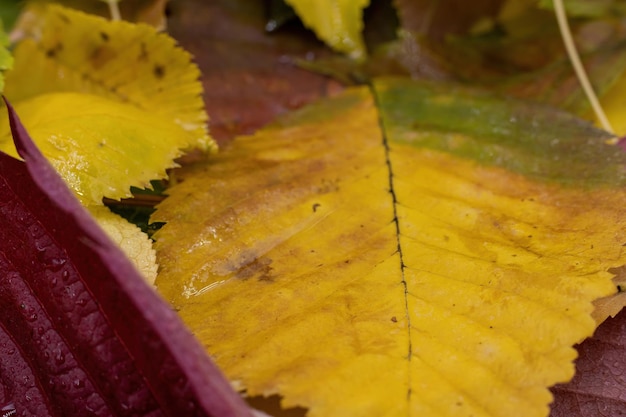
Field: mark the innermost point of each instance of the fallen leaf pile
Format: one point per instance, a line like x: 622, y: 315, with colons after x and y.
x: 431, y: 242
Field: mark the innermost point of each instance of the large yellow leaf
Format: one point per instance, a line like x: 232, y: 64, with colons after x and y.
x: 442, y: 266
x: 111, y: 103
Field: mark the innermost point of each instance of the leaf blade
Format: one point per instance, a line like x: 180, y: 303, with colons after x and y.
x: 303, y: 233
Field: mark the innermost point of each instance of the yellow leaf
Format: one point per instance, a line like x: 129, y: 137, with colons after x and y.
x: 130, y: 63
x: 135, y: 244
x: 435, y: 268
x: 73, y: 51
x: 614, y: 103
x: 99, y: 146
x: 338, y: 23
x: 111, y: 103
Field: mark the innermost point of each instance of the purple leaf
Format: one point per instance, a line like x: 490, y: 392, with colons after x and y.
x: 599, y: 386
x: 81, y: 333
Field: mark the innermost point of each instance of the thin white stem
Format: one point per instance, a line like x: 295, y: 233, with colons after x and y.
x: 574, y: 58
x: 114, y: 9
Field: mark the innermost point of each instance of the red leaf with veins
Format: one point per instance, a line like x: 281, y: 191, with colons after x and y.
x: 81, y: 333
x: 599, y: 387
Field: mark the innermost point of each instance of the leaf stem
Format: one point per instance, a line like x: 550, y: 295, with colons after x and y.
x: 114, y: 9
x: 572, y: 52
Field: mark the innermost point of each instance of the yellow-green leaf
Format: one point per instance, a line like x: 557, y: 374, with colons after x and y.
x: 111, y: 103
x: 6, y: 59
x: 100, y: 147
x: 338, y: 23
x: 440, y: 266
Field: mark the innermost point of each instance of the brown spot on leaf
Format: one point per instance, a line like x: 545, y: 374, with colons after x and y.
x: 52, y: 52
x: 101, y: 55
x: 394, y: 319
x: 143, y: 52
x: 104, y: 36
x: 258, y: 267
x: 158, y: 71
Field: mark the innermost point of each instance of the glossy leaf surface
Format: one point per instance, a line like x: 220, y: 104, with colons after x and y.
x: 442, y: 264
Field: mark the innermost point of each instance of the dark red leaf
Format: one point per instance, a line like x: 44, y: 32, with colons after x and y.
x: 249, y: 75
x: 599, y: 387
x: 81, y: 333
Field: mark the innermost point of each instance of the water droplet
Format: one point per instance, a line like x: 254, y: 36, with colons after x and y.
x: 59, y: 358
x: 55, y: 264
x: 79, y: 383
x: 42, y: 245
x: 65, y: 275
x: 31, y: 317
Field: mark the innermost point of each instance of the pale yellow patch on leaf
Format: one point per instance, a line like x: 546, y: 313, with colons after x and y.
x: 135, y: 244
x: 338, y: 23
x: 445, y: 289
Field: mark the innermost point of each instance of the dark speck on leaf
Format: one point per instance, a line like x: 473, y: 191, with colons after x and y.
x: 316, y: 206
x: 51, y: 53
x: 159, y: 71
x: 143, y: 52
x: 104, y: 36
x: 394, y: 319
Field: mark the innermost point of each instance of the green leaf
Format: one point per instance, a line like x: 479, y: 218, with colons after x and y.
x: 6, y: 59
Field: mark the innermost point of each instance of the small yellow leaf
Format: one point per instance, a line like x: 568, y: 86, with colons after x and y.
x: 442, y: 266
x: 338, y: 23
x: 614, y: 104
x: 131, y: 63
x: 135, y: 244
x: 99, y: 146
